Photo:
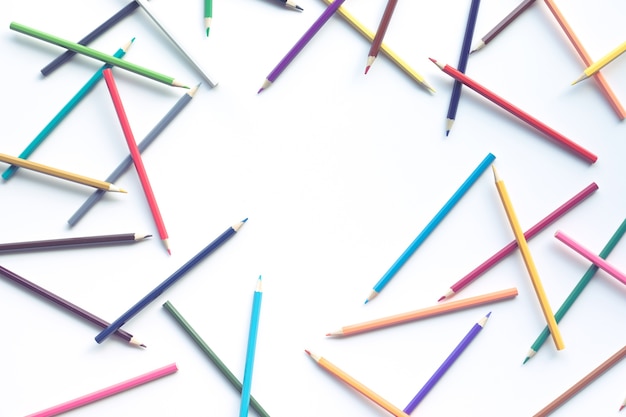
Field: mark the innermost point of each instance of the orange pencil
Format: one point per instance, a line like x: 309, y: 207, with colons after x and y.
x: 425, y: 312
x: 584, y: 56
x: 357, y: 385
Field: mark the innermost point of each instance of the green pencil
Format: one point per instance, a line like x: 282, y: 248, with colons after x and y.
x: 214, y: 358
x: 578, y: 289
x: 208, y: 15
x: 92, y: 53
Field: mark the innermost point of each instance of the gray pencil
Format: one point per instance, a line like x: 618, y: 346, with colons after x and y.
x: 148, y: 9
x: 128, y: 161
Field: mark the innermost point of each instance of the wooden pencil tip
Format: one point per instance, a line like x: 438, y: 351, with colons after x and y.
x: 307, y: 352
x: 622, y: 407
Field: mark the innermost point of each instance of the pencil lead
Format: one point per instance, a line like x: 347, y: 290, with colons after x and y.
x: 579, y: 79
x: 367, y: 68
x: 443, y: 297
x: 307, y: 352
x: 622, y: 407
x: 449, y: 123
x: 244, y: 220
x: 299, y: 8
x: 434, y: 61
x: 525, y: 360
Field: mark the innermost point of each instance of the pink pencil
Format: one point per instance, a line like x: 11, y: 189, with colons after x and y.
x: 595, y: 259
x: 107, y: 392
x: 508, y: 249
x: 136, y: 155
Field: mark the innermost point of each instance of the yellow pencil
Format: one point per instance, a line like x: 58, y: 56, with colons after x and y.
x: 601, y: 63
x: 44, y: 169
x: 333, y: 370
x: 383, y: 48
x: 528, y: 261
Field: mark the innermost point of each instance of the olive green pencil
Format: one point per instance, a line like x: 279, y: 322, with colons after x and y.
x: 92, y: 53
x: 214, y: 358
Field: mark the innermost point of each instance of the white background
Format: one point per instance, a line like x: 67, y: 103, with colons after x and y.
x: 338, y: 172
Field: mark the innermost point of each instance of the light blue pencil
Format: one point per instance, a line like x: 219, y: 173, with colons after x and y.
x: 431, y: 226
x: 254, y: 329
x: 10, y: 171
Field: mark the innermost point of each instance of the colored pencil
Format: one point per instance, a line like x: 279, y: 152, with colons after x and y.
x: 508, y: 19
x: 380, y: 33
x: 460, y: 192
x: 529, y: 234
x: 94, y: 34
x: 586, y: 58
x: 602, y: 62
x: 462, y: 66
x: 58, y: 118
x: 424, y: 313
x: 295, y: 50
x: 146, y: 6
x: 291, y: 4
x: 212, y: 356
x: 578, y: 289
x: 71, y: 307
x: 246, y: 385
x: 519, y: 113
x: 72, y: 242
x: 358, y: 386
x: 137, y: 159
x: 128, y: 161
x: 59, y: 173
x: 107, y: 392
x: 582, y: 383
x: 208, y: 15
x: 367, y: 34
x: 621, y: 407
x: 168, y: 282
x: 92, y: 53
x: 528, y: 260
x: 443, y: 368
x: 592, y: 257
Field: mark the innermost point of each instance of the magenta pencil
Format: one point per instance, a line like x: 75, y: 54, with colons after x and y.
x: 107, y: 392
x: 533, y: 231
x: 592, y: 257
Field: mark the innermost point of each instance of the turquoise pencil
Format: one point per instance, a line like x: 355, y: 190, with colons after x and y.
x: 56, y: 120
x: 431, y: 226
x: 254, y: 328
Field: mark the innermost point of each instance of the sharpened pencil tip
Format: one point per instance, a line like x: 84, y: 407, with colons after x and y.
x: 367, y: 68
x: 443, y: 297
x: 307, y: 352
x: 622, y: 407
x: 299, y: 8
x: 525, y: 360
x: 244, y: 220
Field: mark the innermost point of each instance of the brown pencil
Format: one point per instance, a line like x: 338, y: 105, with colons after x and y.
x: 380, y: 33
x: 580, y: 385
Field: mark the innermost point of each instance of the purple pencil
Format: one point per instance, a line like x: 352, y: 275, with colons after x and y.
x: 446, y: 364
x: 508, y: 249
x: 295, y: 50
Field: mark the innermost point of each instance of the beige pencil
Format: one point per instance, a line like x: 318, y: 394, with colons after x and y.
x: 55, y: 172
x: 528, y: 261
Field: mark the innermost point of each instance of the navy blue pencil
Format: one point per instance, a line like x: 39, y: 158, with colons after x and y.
x: 109, y: 23
x: 155, y: 293
x: 463, y: 58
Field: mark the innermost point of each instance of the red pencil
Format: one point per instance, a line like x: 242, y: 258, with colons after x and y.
x: 136, y: 156
x: 540, y: 126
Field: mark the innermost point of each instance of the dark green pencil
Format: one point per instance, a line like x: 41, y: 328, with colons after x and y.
x: 578, y: 289
x: 92, y: 53
x: 214, y: 358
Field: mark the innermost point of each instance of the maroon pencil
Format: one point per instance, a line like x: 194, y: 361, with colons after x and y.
x: 519, y: 113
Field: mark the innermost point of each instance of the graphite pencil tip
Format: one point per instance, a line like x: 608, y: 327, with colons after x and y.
x: 299, y: 8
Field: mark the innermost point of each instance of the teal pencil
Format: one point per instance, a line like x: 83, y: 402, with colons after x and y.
x: 254, y: 327
x: 56, y: 120
x: 208, y: 15
x: 578, y: 289
x: 92, y: 53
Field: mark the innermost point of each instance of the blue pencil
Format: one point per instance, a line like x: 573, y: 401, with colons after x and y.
x: 465, y: 52
x: 431, y: 226
x: 8, y: 173
x: 446, y: 364
x: 155, y: 293
x: 254, y: 329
